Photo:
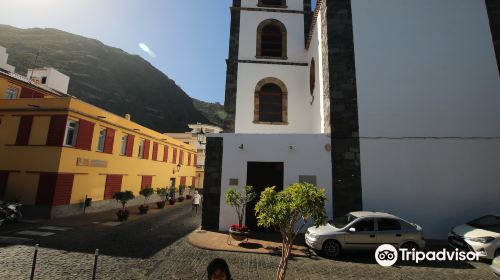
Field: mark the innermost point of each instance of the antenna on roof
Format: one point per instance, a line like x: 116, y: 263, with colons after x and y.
x: 36, y: 59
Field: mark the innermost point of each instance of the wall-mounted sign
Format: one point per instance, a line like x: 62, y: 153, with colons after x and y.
x: 91, y: 163
x: 233, y: 182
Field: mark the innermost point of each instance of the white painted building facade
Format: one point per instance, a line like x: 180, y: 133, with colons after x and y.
x: 409, y: 89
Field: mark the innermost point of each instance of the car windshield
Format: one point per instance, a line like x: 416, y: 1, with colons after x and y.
x: 490, y: 222
x: 343, y: 221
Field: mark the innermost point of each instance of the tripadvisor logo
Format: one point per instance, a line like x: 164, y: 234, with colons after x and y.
x: 388, y: 255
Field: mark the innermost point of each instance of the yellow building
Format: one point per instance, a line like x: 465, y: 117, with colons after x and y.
x: 54, y: 152
x: 197, y: 138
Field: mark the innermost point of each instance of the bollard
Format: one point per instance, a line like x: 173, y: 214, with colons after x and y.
x: 34, y: 263
x: 95, y: 263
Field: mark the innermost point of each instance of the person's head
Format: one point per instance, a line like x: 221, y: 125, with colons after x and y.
x: 218, y: 270
x: 195, y: 192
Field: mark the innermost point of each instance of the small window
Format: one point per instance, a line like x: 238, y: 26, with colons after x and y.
x: 271, y: 44
x: 270, y: 103
x: 271, y: 40
x: 12, y: 93
x: 71, y: 132
x: 312, y: 76
x: 364, y: 225
x: 140, y: 154
x: 102, y: 140
x: 44, y: 80
x: 272, y: 3
x: 123, y: 149
x: 388, y: 225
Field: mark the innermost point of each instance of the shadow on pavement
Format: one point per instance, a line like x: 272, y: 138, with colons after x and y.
x: 141, y: 237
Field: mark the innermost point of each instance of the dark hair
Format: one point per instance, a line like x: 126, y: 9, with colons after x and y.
x: 217, y: 264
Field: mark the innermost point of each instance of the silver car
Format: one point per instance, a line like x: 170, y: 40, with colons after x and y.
x: 364, y: 230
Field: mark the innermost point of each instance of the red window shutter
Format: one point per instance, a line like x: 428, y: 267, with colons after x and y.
x: 195, y: 163
x: 165, y: 153
x: 181, y: 157
x: 108, y: 142
x: 155, y: 151
x: 145, y: 155
x: 57, y: 127
x: 113, y: 185
x: 147, y: 182
x: 189, y: 159
x: 4, y: 177
x: 46, y: 188
x: 174, y: 157
x: 183, y: 180
x: 84, y: 135
x: 63, y: 189
x: 130, y: 145
x: 29, y: 93
x: 24, y: 130
x: 54, y: 189
x: 194, y: 181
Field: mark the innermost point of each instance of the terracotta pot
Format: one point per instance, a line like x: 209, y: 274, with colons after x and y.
x: 122, y: 215
x: 143, y: 209
x: 160, y: 204
x: 238, y: 235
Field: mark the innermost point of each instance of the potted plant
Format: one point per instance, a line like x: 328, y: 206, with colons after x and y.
x: 171, y: 199
x: 181, y: 193
x: 190, y: 192
x: 146, y: 193
x: 162, y: 193
x: 238, y: 200
x: 123, y: 198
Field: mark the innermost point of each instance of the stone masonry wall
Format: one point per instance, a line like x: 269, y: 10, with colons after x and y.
x: 493, y: 7
x: 232, y: 67
x: 212, y: 184
x: 346, y: 171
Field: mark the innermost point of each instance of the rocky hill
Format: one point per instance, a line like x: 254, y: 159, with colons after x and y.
x: 108, y: 77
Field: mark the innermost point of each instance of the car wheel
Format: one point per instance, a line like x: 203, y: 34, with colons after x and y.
x: 331, y: 248
x: 497, y: 253
x: 410, y: 246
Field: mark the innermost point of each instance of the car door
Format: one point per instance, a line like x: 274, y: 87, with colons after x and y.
x: 389, y: 231
x: 363, y: 236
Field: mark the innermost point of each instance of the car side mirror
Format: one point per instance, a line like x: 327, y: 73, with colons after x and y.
x: 352, y: 229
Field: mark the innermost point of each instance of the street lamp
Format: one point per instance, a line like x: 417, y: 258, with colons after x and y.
x: 177, y: 168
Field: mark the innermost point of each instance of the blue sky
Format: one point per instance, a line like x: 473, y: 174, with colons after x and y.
x: 189, y: 37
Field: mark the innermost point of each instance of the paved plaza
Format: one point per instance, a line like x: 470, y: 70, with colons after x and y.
x: 156, y: 247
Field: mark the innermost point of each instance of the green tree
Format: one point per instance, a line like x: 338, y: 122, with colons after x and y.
x: 289, y: 211
x: 239, y: 200
x: 162, y: 192
x: 172, y: 190
x: 182, y: 188
x: 146, y: 193
x: 123, y: 197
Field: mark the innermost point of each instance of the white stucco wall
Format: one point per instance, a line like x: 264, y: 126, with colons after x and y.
x: 297, y: 5
x: 296, y: 79
x: 4, y: 57
x: 427, y: 68
x: 55, y: 79
x: 314, y: 51
x: 308, y: 157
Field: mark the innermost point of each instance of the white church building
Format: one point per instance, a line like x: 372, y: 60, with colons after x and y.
x: 389, y: 105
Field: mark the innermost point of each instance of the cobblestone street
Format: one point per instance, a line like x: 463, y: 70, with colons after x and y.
x: 129, y: 255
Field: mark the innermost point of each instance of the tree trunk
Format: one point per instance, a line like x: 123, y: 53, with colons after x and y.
x: 285, y: 253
